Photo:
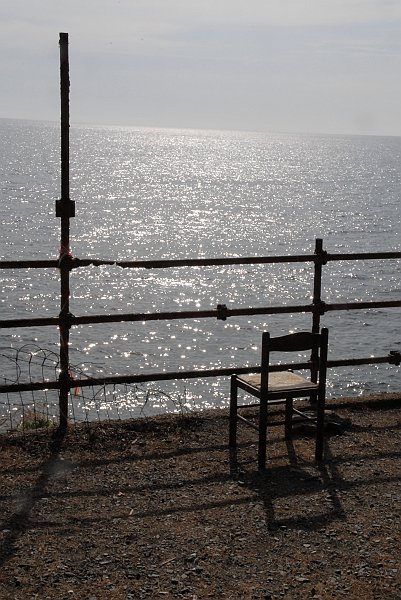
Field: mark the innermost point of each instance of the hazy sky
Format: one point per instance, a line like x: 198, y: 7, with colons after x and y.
x: 269, y: 65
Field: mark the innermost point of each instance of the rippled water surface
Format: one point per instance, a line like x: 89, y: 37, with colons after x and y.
x: 153, y: 193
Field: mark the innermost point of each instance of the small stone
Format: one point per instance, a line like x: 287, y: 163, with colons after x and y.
x: 302, y: 578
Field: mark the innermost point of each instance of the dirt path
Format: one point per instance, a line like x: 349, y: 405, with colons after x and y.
x: 159, y: 509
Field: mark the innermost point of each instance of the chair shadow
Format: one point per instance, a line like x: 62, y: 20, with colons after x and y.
x: 294, y: 483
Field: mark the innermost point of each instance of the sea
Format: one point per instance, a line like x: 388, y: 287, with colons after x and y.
x: 143, y: 194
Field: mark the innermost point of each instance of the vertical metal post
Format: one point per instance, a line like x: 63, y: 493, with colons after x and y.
x: 317, y: 286
x: 320, y: 260
x: 65, y: 209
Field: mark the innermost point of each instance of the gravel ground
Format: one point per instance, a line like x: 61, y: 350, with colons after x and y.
x: 159, y: 508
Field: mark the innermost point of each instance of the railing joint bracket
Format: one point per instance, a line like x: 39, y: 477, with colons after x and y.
x: 222, y: 312
x: 66, y: 319
x: 65, y: 208
x: 394, y: 358
x: 321, y: 257
x: 66, y: 380
x: 67, y: 262
x: 319, y: 308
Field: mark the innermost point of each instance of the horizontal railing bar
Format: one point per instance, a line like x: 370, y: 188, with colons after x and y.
x: 195, y: 374
x: 35, y: 322
x: 363, y: 256
x: 201, y: 314
x: 29, y: 264
x: 120, y: 379
x: 194, y: 262
x: 362, y: 305
x: 197, y: 314
x: 351, y: 362
x: 159, y: 264
x: 118, y: 318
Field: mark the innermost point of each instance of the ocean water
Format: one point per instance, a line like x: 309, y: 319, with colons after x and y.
x: 158, y: 193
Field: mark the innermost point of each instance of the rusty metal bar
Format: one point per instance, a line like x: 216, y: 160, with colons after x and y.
x: 159, y: 264
x: 65, y: 209
x: 362, y: 305
x: 196, y: 262
x: 119, y: 318
x: 193, y: 314
x: 201, y: 314
x: 28, y: 264
x: 37, y: 322
x: 363, y: 256
x: 320, y: 260
x: 73, y: 262
x: 394, y: 357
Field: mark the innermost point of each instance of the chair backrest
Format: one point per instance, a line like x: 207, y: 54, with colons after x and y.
x: 295, y: 342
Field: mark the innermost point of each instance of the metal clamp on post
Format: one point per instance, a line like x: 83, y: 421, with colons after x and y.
x: 66, y: 319
x: 222, y: 312
x: 322, y: 257
x: 394, y: 358
x: 66, y: 381
x: 319, y: 308
x: 67, y: 262
x: 65, y: 208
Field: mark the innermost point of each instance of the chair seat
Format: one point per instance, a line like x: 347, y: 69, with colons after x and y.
x: 281, y: 381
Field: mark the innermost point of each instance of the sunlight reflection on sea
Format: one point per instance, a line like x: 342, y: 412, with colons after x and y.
x: 146, y: 194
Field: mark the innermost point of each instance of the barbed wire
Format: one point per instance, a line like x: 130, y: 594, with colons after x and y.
x: 36, y: 409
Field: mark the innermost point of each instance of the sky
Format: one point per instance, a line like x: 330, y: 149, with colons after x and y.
x: 316, y: 66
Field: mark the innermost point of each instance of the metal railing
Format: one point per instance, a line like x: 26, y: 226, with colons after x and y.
x: 65, y: 209
x: 66, y: 320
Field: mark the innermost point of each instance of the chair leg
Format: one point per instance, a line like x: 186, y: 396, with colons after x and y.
x: 262, y: 434
x: 233, y: 412
x: 288, y: 418
x: 320, y: 427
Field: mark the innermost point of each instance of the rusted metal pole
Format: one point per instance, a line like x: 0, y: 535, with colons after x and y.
x: 317, y: 303
x: 64, y: 209
x: 393, y: 358
x: 195, y: 314
x: 317, y: 285
x: 195, y: 262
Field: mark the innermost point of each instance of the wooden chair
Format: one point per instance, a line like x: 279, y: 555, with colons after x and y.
x: 274, y: 387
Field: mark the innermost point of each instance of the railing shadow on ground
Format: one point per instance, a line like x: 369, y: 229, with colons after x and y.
x: 294, y: 481
x: 16, y: 525
x: 268, y: 487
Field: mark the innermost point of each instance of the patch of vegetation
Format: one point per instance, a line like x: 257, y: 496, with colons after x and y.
x: 32, y: 418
